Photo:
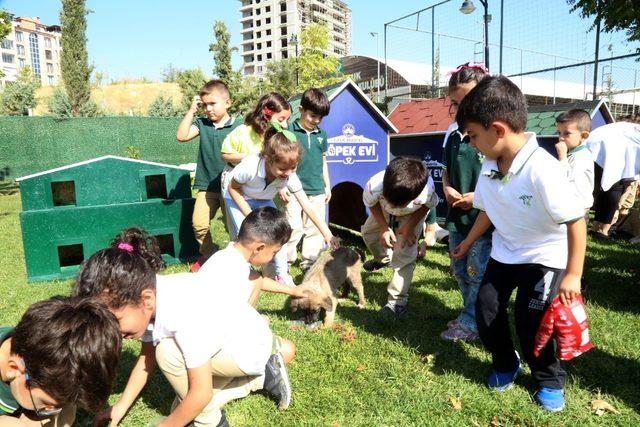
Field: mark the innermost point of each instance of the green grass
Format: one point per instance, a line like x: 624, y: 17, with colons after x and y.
x: 398, y: 373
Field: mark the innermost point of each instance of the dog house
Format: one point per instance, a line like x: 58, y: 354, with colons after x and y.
x: 71, y: 212
x: 358, y: 137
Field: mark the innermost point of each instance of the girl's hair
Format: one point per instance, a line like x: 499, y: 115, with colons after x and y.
x: 119, y: 273
x: 276, y: 145
x: 267, y: 106
x: 467, y: 73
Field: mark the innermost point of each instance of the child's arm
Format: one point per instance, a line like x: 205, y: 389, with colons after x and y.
x: 406, y: 231
x: 577, y: 239
x: 235, y: 191
x: 271, y: 285
x: 198, y: 396
x: 233, y: 158
x: 186, y: 130
x: 327, y: 181
x: 480, y: 226
x: 450, y: 193
x: 142, y: 370
x: 322, y: 226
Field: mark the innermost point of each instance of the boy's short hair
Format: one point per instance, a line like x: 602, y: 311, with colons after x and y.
x: 265, y: 224
x: 315, y: 101
x: 495, y: 98
x: 70, y: 347
x: 580, y: 117
x: 404, y: 179
x: 215, y: 86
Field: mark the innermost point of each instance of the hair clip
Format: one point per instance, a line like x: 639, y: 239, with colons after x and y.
x: 472, y: 65
x: 286, y: 132
x: 125, y: 247
x: 268, y: 112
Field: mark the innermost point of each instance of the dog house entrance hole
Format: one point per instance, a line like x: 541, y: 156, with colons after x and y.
x: 70, y: 255
x: 156, y: 186
x: 64, y: 193
x: 165, y: 241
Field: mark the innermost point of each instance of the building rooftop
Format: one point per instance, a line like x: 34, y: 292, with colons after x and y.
x: 422, y: 116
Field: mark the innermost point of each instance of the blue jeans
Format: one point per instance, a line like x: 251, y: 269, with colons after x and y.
x: 468, y: 272
x: 236, y: 217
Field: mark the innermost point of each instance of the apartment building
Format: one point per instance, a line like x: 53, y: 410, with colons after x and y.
x: 34, y: 44
x: 271, y: 29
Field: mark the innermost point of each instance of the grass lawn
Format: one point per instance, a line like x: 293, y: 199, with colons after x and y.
x: 370, y: 371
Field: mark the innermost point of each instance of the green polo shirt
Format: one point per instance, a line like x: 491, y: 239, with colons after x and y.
x: 210, y: 164
x: 463, y: 163
x: 314, y: 147
x: 8, y: 404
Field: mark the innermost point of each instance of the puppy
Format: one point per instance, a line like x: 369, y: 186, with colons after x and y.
x: 332, y: 273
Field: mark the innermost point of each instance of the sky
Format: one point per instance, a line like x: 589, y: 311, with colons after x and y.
x: 140, y: 38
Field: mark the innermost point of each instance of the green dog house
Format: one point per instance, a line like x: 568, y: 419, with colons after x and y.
x: 69, y: 213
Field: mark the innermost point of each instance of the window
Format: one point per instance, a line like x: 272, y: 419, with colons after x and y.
x: 165, y: 242
x: 267, y: 21
x: 267, y: 9
x: 258, y: 45
x: 50, y: 80
x: 285, y: 54
x: 283, y: 19
x: 283, y: 7
x: 268, y: 32
x: 70, y: 255
x: 20, y: 49
x: 259, y: 57
x: 18, y: 36
x: 268, y: 44
x: 268, y: 55
x: 8, y: 58
x: 7, y: 44
x: 257, y: 34
x: 63, y: 193
x: 156, y: 186
x: 258, y: 11
x: 21, y: 62
x: 283, y: 42
x: 283, y: 31
x: 47, y: 42
x: 49, y: 68
x: 35, y: 54
x: 48, y: 55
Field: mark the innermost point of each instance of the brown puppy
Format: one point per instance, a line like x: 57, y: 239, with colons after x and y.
x: 332, y: 272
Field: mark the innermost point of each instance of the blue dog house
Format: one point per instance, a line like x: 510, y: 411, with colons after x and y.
x: 358, y: 136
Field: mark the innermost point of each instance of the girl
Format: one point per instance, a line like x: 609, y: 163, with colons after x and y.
x: 258, y: 178
x: 210, y: 349
x: 461, y: 170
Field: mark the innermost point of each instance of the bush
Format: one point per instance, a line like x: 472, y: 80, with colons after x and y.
x: 20, y: 96
x: 59, y: 104
x: 163, y: 107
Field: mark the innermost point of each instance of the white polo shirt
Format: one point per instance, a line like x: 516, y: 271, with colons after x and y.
x: 228, y: 271
x: 579, y: 169
x: 203, y: 322
x: 528, y: 207
x: 372, y: 194
x: 251, y: 174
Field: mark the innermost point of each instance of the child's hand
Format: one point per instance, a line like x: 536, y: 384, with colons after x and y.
x: 406, y: 235
x: 327, y: 195
x: 285, y: 195
x: 461, y: 250
x: 569, y: 289
x: 333, y: 242
x: 195, y: 104
x: 561, y: 149
x: 465, y: 203
x: 114, y: 414
x: 387, y: 238
x: 451, y: 195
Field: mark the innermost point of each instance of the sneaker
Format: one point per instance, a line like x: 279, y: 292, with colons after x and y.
x: 459, y: 333
x: 453, y: 323
x: 551, y: 399
x: 502, y: 381
x: 374, y: 265
x: 276, y: 381
x: 223, y: 420
x: 195, y: 267
x: 393, y: 310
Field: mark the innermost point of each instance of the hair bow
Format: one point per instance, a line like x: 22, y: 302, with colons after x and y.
x: 268, y: 112
x: 472, y: 65
x: 125, y: 247
x: 286, y: 132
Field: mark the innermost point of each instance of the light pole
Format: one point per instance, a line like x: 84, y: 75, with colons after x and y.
x: 377, y: 37
x: 294, y: 41
x: 467, y: 8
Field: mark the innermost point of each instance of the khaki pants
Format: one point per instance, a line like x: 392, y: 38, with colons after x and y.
x: 303, y: 227
x: 206, y: 206
x: 401, y: 259
x: 229, y: 382
x: 64, y: 419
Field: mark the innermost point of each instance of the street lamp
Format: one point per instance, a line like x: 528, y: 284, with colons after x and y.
x: 467, y: 8
x: 377, y: 37
x: 294, y: 41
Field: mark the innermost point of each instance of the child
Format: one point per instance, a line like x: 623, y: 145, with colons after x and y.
x: 215, y: 100
x: 573, y: 129
x: 399, y: 199
x: 262, y: 234
x: 462, y: 165
x: 258, y: 178
x: 211, y: 349
x: 64, y: 352
x: 539, y: 238
x: 314, y: 175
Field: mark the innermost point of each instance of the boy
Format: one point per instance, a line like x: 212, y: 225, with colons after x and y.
x: 573, y: 129
x: 63, y: 352
x: 539, y: 238
x: 263, y: 232
x: 314, y: 175
x: 214, y: 98
x: 399, y: 199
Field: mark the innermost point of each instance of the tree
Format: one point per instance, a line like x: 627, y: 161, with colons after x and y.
x: 315, y: 68
x: 163, y: 107
x: 170, y: 74
x: 74, y: 58
x: 20, y: 96
x: 59, y: 104
x: 190, y: 82
x: 280, y: 76
x: 5, y: 28
x: 222, y: 52
x: 616, y: 15
x: 246, y: 96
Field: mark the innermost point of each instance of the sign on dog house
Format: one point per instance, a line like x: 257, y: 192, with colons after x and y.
x: 358, y: 139
x: 68, y: 213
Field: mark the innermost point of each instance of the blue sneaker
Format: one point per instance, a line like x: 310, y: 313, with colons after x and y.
x: 502, y: 381
x: 551, y: 399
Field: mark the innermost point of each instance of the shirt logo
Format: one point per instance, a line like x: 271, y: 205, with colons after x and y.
x: 526, y: 200
x: 320, y: 139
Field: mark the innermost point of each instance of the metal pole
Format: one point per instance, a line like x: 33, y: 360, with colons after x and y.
x: 635, y: 82
x: 501, y: 32
x: 386, y: 77
x: 486, y: 33
x: 378, y: 58
x: 554, y: 79
x: 433, y: 52
x: 297, y: 66
x: 595, y: 63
